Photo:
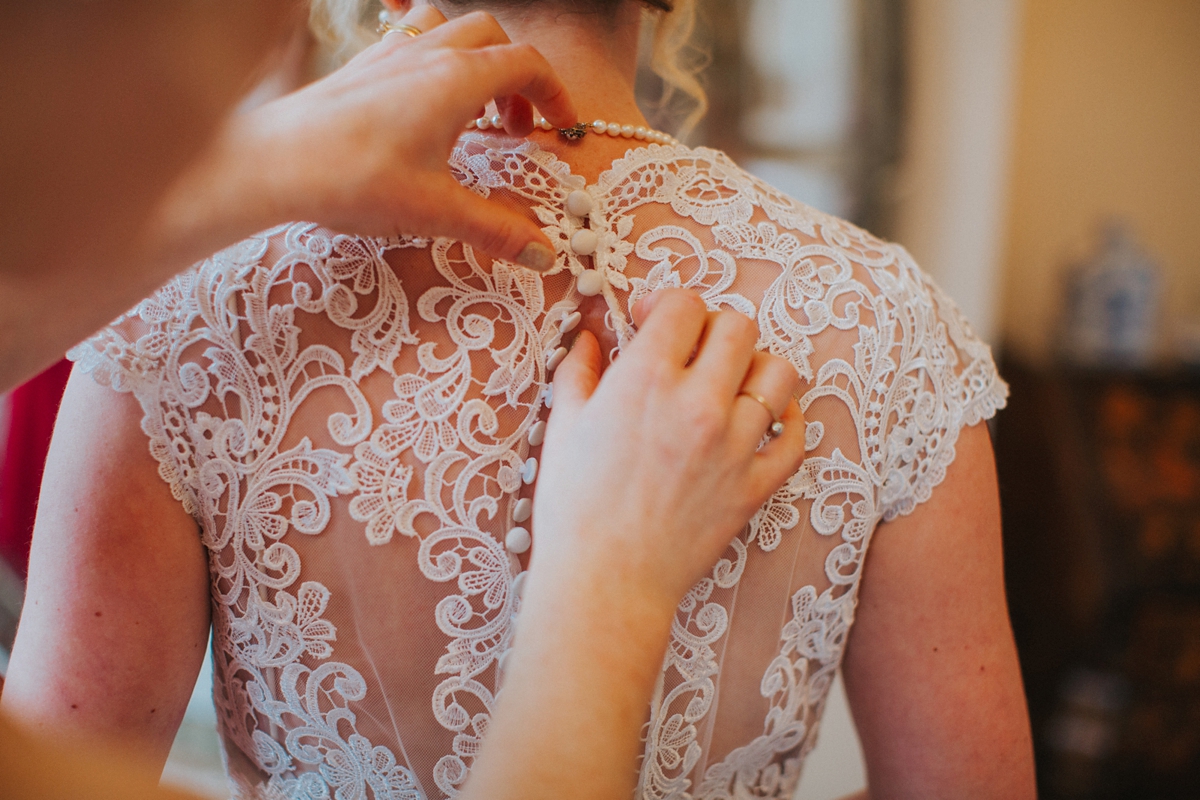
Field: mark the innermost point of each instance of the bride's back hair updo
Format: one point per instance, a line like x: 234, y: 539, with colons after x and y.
x: 347, y: 26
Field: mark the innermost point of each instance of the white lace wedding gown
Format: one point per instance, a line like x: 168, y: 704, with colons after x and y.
x: 349, y: 421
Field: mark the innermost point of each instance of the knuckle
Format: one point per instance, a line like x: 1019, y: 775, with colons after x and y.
x: 479, y: 18
x: 686, y: 301
x: 740, y: 325
x: 525, y: 52
x: 453, y: 61
x: 499, y: 239
x: 780, y: 368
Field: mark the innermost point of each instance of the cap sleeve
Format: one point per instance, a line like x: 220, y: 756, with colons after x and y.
x: 946, y: 379
x: 137, y: 354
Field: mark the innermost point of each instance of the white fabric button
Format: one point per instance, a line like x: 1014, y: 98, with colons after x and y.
x: 548, y: 396
x: 529, y: 470
x: 537, y: 433
x: 518, y: 585
x: 556, y: 358
x: 579, y: 202
x: 523, y: 510
x: 569, y: 322
x: 518, y: 540
x: 584, y: 242
x: 590, y: 283
x: 503, y: 660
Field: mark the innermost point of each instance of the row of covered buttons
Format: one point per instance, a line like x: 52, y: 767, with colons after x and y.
x: 518, y: 540
x: 584, y: 243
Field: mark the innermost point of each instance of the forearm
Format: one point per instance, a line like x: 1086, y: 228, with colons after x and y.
x: 37, y: 768
x: 67, y: 287
x: 577, y: 692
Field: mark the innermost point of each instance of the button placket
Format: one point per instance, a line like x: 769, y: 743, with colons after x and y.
x: 584, y: 242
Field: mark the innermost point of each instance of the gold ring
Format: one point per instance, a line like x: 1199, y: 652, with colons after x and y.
x: 776, y: 426
x: 407, y: 30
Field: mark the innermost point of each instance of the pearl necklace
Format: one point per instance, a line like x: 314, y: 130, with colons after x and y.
x: 616, y: 130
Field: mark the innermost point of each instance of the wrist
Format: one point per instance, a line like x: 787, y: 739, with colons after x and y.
x: 620, y: 619
x: 222, y: 198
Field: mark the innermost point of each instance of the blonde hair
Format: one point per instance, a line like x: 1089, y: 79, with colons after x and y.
x: 344, y: 27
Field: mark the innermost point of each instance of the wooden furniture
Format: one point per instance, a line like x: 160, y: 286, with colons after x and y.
x: 1100, y: 487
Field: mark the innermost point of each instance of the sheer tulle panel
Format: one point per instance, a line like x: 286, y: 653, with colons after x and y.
x: 349, y: 422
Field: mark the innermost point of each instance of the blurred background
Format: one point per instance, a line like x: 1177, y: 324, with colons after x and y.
x: 1041, y: 159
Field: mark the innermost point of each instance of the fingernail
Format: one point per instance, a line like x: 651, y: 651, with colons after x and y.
x: 537, y: 257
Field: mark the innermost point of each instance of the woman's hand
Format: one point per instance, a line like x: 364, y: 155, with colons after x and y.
x: 651, y: 471
x: 365, y: 149
x: 646, y: 476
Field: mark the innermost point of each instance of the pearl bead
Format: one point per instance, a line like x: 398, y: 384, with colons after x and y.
x: 614, y: 129
x: 545, y: 125
x: 556, y: 358
x: 599, y: 126
x: 639, y: 133
x: 569, y: 322
x: 537, y: 433
x: 579, y: 203
x: 590, y: 283
x: 584, y: 242
x: 523, y: 510
x: 518, y: 540
x: 483, y: 123
x: 529, y: 470
x: 497, y: 121
x: 627, y: 131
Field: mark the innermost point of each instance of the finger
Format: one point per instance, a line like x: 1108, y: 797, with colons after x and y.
x: 642, y: 308
x: 424, y: 18
x: 470, y: 31
x: 780, y: 458
x: 517, y: 113
x: 518, y: 69
x: 764, y: 395
x: 725, y: 353
x: 673, y: 330
x: 494, y: 229
x: 576, y: 379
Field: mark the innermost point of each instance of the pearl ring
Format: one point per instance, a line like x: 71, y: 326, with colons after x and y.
x: 776, y: 427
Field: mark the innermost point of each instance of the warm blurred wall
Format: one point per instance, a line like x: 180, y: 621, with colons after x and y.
x: 1107, y: 123
x: 950, y: 199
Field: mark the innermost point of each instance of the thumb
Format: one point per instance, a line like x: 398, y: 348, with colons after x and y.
x: 576, y: 378
x: 497, y: 231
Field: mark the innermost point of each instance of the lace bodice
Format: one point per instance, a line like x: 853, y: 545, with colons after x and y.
x: 348, y: 420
